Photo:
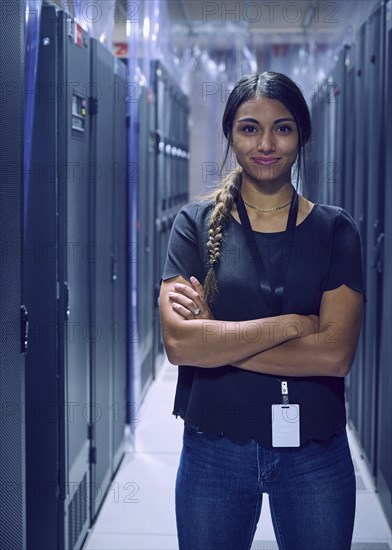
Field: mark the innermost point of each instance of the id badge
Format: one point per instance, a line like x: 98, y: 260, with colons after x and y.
x: 285, y: 425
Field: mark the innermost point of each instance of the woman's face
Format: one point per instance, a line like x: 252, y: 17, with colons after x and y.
x: 265, y: 140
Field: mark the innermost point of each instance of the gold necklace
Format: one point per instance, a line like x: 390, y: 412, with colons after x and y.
x: 266, y: 209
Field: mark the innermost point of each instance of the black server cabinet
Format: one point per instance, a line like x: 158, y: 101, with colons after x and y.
x: 320, y: 162
x: 162, y: 108
x: 349, y: 121
x: 172, y: 182
x: 384, y: 440
x: 359, y: 187
x: 57, y: 292
x: 74, y: 270
x: 41, y: 291
x: 12, y: 365
x: 101, y: 101
x: 311, y: 187
x: 76, y: 281
x: 121, y: 254
x: 108, y: 267
x: 336, y: 96
x: 374, y: 178
x: 145, y: 176
x: 366, y: 193
x: 354, y: 379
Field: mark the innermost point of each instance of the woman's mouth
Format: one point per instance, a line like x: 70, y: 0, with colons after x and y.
x: 266, y: 161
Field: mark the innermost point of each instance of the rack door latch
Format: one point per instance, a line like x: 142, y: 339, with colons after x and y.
x: 24, y: 328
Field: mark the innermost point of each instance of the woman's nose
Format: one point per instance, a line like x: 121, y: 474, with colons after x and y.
x: 266, y: 142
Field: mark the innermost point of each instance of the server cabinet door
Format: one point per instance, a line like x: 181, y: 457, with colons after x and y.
x: 353, y: 382
x: 374, y: 213
x: 12, y: 458
x: 359, y: 203
x: 349, y: 130
x: 384, y: 444
x: 122, y: 252
x: 74, y: 341
x: 41, y: 289
x: 101, y: 158
x: 337, y: 94
x: 312, y: 161
x: 144, y: 247
x: 161, y: 196
x: 320, y: 162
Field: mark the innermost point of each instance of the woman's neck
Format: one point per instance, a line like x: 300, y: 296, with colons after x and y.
x: 269, y: 195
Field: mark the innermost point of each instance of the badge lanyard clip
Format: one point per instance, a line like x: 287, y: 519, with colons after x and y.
x: 285, y: 392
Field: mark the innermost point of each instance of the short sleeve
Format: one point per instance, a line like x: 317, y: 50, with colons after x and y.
x: 346, y: 259
x: 183, y: 257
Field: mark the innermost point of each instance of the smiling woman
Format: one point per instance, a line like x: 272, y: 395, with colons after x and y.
x: 265, y: 142
x: 263, y: 341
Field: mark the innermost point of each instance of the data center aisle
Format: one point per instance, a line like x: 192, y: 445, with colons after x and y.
x: 138, y: 512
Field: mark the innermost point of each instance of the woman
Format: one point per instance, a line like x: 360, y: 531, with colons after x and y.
x: 265, y: 342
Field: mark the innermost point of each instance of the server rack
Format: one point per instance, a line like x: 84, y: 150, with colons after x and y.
x: 349, y: 129
x: 57, y: 389
x: 172, y: 180
x: 365, y: 191
x: 41, y: 290
x: 356, y: 379
x: 12, y: 364
x: 76, y: 285
x: 73, y: 278
x: 384, y: 260
x: 337, y: 94
x: 353, y: 94
x: 108, y: 272
x: 121, y: 333
x: 146, y: 189
x: 101, y: 274
x: 374, y: 59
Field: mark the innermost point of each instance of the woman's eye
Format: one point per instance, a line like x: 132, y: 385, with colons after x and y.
x: 249, y: 129
x: 284, y: 129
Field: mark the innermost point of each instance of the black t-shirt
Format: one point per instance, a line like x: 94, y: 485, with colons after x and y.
x: 326, y: 253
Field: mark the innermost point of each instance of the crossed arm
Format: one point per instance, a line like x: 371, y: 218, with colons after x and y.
x: 292, y: 345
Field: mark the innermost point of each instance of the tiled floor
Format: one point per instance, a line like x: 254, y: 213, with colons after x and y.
x: 138, y: 512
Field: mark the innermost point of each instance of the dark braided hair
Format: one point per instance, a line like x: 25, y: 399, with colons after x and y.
x: 267, y: 84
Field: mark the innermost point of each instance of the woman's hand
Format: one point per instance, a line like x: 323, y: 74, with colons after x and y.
x: 189, y: 302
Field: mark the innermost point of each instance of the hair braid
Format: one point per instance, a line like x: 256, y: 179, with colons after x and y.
x: 224, y: 200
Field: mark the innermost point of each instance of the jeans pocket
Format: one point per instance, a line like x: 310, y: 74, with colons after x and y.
x: 193, y: 429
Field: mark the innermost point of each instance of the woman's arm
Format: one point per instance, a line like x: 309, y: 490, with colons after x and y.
x: 330, y: 352
x: 210, y: 343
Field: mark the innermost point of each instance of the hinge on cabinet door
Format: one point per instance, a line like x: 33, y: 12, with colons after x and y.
x: 93, y: 455
x: 24, y: 328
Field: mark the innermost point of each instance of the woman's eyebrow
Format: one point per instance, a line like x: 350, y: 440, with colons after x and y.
x: 249, y: 119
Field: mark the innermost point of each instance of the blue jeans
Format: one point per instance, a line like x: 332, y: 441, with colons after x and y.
x: 220, y: 486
